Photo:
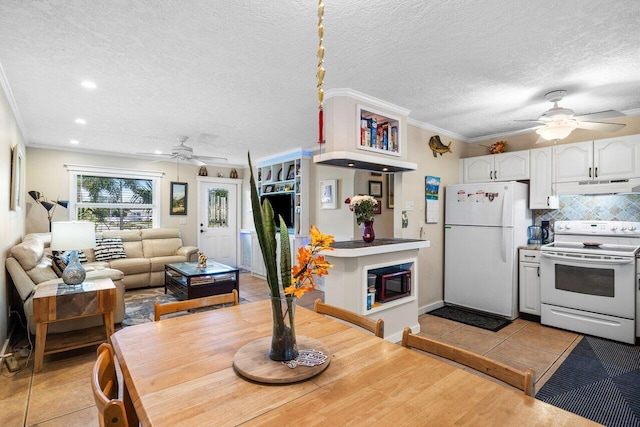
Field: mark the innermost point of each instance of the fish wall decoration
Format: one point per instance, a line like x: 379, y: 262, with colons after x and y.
x: 438, y: 147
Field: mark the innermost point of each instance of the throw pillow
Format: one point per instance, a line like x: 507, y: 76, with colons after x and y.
x: 109, y: 248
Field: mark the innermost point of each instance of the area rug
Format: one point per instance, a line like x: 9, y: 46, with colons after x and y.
x: 139, y: 305
x: 599, y: 380
x: 472, y: 318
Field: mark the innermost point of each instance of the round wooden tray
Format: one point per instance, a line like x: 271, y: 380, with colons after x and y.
x: 252, y: 362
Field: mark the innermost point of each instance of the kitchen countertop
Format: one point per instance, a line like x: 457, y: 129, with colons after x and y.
x: 356, y: 248
x: 530, y: 247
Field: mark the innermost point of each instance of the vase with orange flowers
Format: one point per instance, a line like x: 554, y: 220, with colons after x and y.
x: 292, y: 282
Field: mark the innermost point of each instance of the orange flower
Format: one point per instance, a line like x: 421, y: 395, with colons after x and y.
x: 310, y: 264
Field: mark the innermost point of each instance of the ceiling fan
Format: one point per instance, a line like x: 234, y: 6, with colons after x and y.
x: 185, y: 153
x: 557, y: 122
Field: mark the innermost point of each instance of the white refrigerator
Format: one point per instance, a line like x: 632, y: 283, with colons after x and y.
x: 484, y: 225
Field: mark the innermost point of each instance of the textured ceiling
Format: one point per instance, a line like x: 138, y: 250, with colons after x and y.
x: 240, y: 75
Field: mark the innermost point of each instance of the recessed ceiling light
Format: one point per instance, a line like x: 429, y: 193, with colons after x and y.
x: 158, y: 152
x: 350, y: 165
x: 81, y: 121
x: 88, y: 84
x: 74, y: 142
x: 385, y: 169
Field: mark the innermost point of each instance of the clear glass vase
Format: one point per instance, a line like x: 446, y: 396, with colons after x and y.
x: 283, y: 337
x: 368, y: 234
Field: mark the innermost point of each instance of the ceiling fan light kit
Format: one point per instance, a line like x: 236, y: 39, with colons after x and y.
x: 557, y: 123
x: 557, y: 130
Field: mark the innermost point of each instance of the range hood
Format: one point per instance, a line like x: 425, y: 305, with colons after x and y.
x: 368, y: 162
x: 613, y: 186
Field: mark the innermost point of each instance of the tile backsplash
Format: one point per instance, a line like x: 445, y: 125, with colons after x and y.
x: 610, y: 207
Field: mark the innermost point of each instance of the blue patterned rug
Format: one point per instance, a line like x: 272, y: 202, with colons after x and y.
x: 600, y: 380
x: 139, y: 305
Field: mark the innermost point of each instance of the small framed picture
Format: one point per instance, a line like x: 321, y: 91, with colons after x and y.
x: 378, y: 209
x: 268, y: 175
x: 390, y: 191
x: 328, y: 197
x: 291, y: 172
x: 268, y: 189
x: 178, y: 198
x: 375, y: 188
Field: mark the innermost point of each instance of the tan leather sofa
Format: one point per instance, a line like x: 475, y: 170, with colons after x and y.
x: 147, y: 252
x: 29, y: 265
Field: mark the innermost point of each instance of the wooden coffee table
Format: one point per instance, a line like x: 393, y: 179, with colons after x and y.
x: 55, y: 302
x: 187, y: 280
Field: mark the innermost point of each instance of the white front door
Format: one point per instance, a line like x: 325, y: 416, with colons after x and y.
x: 218, y: 219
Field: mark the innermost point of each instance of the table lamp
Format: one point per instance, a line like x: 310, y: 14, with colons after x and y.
x: 72, y: 236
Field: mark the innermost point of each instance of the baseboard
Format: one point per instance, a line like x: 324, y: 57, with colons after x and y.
x: 3, y: 352
x: 397, y: 338
x: 430, y: 307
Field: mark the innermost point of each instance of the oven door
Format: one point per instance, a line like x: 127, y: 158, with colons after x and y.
x: 597, y: 284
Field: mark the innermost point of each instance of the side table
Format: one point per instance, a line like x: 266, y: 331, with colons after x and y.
x: 55, y: 302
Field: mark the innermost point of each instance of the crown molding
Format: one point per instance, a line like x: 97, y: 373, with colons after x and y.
x: 331, y: 93
x: 12, y: 103
x: 436, y: 129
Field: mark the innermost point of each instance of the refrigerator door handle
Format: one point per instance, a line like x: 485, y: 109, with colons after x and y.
x: 503, y: 231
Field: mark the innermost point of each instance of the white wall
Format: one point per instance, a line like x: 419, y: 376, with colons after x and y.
x: 48, y: 175
x: 11, y: 222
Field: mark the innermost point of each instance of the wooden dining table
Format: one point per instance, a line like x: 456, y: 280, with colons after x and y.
x: 179, y: 371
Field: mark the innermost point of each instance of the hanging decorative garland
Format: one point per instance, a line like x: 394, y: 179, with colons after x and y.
x: 320, y: 73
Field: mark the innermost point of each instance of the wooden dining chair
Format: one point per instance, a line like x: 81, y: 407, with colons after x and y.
x: 518, y: 379
x: 375, y: 326
x: 106, y: 389
x: 173, y: 307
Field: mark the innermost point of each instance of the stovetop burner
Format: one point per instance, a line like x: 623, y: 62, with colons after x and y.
x: 607, y: 238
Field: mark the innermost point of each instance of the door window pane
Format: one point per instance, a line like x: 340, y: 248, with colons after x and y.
x: 218, y: 213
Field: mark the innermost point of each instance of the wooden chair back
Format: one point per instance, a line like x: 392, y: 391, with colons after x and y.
x: 375, y: 326
x: 105, y: 385
x: 514, y: 377
x: 173, y: 307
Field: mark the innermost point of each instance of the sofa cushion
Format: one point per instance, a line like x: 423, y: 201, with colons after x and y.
x: 29, y: 252
x: 158, y: 263
x: 131, y: 265
x: 108, y: 249
x: 42, y: 272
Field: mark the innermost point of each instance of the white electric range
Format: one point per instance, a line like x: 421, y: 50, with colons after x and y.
x: 588, y: 278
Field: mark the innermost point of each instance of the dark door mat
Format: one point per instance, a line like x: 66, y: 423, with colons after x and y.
x: 599, y: 380
x: 473, y: 318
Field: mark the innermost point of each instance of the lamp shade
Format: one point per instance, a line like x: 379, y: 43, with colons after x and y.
x: 557, y: 130
x: 72, y: 235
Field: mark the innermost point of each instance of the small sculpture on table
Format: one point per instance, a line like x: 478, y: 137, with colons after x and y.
x: 202, y: 260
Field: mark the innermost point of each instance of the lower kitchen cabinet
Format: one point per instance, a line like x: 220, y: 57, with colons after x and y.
x: 529, y: 283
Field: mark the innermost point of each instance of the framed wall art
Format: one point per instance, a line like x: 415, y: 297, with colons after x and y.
x: 390, y: 192
x: 375, y: 188
x: 178, y: 198
x: 328, y: 196
x: 378, y: 209
x: 17, y: 169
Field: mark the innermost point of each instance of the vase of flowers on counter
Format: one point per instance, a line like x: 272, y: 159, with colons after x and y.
x: 292, y: 282
x: 363, y: 207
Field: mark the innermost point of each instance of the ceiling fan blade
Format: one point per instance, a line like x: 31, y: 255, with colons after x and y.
x: 210, y: 158
x: 196, y: 161
x: 155, y: 155
x: 608, y: 114
x: 530, y: 120
x: 603, y: 127
x: 540, y: 140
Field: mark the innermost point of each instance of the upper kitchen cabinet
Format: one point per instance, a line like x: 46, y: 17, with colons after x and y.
x: 496, y: 167
x: 541, y: 194
x: 603, y: 159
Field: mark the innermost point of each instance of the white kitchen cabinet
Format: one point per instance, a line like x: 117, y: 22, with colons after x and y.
x: 496, y: 167
x: 529, y: 282
x: 541, y: 194
x: 603, y: 159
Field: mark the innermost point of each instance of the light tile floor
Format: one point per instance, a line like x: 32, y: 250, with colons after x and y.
x: 61, y: 395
